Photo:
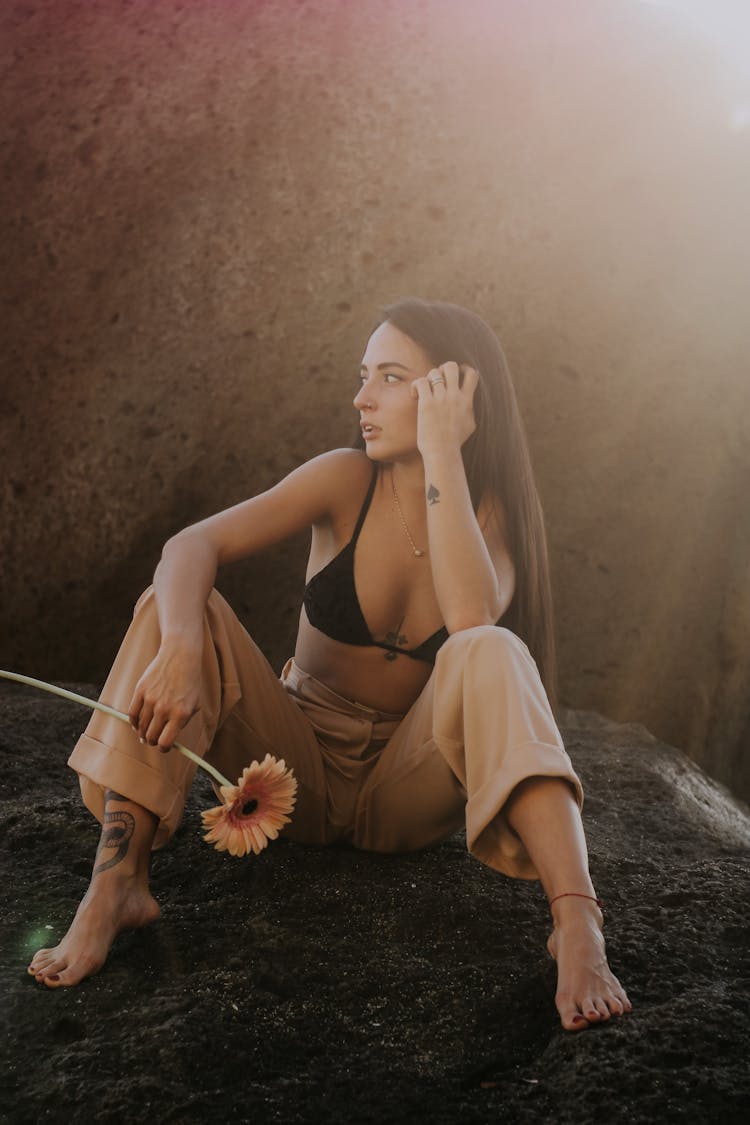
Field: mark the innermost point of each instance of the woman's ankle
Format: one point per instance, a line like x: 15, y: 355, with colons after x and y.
x: 570, y: 909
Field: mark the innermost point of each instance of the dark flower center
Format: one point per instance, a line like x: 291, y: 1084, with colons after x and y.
x: 249, y: 807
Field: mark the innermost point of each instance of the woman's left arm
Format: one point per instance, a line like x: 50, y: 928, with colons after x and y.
x: 472, y: 571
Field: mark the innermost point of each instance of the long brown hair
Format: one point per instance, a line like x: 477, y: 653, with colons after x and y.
x: 496, y: 459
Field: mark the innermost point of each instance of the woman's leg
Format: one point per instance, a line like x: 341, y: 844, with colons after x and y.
x: 118, y: 897
x: 481, y: 726
x: 244, y: 713
x: 138, y: 792
x: 481, y: 743
x: 546, y: 818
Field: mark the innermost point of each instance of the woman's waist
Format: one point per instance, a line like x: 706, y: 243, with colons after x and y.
x: 365, y: 675
x: 302, y: 683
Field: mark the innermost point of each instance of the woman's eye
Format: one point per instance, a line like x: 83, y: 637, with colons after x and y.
x: 389, y: 377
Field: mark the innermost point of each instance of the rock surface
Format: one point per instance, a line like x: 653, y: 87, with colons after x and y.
x: 203, y: 206
x: 312, y: 985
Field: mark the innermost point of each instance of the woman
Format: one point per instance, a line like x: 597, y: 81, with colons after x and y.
x: 430, y: 529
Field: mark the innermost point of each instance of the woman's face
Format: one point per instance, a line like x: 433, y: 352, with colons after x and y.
x: 386, y: 405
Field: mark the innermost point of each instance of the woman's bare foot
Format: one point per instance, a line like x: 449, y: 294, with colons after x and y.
x: 118, y: 897
x: 112, y: 903
x: 588, y: 992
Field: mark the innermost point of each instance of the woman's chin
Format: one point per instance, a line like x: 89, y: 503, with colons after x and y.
x: 373, y: 452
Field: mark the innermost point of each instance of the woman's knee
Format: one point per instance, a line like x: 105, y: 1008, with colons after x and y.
x: 484, y: 657
x: 147, y: 602
x: 492, y: 642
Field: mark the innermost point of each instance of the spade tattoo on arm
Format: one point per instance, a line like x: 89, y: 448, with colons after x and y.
x: 433, y: 495
x: 116, y: 833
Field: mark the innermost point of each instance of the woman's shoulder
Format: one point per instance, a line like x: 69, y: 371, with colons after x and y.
x: 342, y: 469
x: 353, y: 459
x: 342, y: 475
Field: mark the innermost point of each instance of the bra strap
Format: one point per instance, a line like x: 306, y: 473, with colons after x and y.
x: 365, y: 506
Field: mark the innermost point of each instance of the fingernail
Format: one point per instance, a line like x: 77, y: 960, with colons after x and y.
x: 142, y: 741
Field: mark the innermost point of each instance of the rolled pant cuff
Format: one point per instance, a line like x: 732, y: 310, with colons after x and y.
x: 489, y: 837
x: 101, y: 767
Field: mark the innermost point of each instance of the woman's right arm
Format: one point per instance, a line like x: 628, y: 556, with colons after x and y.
x: 167, y: 694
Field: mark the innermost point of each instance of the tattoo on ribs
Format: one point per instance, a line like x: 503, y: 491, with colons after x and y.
x: 395, y: 637
x: 433, y: 495
x: 118, y: 828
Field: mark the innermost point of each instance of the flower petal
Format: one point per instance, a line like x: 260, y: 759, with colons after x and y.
x: 271, y: 790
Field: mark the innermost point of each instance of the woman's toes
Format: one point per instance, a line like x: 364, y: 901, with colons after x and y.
x: 575, y: 1022
x: 571, y: 1017
x: 41, y: 958
x: 84, y: 966
x: 50, y: 968
x: 58, y: 980
x: 592, y: 1010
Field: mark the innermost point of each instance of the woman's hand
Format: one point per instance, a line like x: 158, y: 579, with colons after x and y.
x: 445, y: 412
x: 167, y: 694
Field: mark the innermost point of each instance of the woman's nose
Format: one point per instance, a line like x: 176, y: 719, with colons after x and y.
x: 363, y: 397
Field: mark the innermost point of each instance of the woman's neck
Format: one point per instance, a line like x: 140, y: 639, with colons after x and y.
x: 408, y: 476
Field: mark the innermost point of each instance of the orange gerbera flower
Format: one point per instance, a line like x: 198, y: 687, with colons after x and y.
x: 254, y: 810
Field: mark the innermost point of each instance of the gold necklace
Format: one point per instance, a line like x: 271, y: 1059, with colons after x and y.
x: 417, y: 553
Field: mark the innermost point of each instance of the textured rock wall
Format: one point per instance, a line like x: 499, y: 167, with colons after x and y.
x: 204, y: 203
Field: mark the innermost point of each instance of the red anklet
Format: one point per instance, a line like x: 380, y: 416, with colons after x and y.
x: 577, y: 894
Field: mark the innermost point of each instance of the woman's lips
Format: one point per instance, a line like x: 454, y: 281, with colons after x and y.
x: 369, y: 432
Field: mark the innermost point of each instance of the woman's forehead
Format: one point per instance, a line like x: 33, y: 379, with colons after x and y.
x: 388, y: 343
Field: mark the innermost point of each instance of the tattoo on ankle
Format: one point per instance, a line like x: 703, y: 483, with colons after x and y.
x: 116, y: 833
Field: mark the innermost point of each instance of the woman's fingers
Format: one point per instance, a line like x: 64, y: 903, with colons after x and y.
x: 421, y: 390
x: 452, y: 375
x: 168, y: 736
x: 448, y: 377
x: 436, y: 381
x: 179, y: 716
x: 471, y: 379
x: 445, y: 411
x: 165, y: 697
x: 134, y: 710
x: 165, y: 724
x: 154, y: 729
x: 145, y: 720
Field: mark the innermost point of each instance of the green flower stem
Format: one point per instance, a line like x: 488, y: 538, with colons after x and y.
x: 96, y: 706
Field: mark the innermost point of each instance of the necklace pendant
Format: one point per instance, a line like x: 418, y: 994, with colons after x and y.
x: 419, y: 554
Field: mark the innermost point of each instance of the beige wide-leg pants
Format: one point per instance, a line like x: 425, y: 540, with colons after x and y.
x: 383, y: 782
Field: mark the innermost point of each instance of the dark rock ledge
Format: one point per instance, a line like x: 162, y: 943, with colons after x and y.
x: 313, y: 985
